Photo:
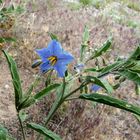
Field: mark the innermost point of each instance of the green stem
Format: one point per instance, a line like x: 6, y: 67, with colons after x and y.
x: 64, y: 98
x: 72, y: 98
x: 81, y: 86
x: 55, y: 108
x: 59, y: 103
x: 21, y: 125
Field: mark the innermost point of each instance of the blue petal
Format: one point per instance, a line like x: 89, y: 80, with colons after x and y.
x: 95, y: 87
x: 61, y: 69
x: 44, y: 53
x: 65, y: 58
x: 55, y: 48
x: 45, y: 67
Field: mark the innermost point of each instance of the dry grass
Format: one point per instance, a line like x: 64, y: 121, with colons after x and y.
x: 77, y: 120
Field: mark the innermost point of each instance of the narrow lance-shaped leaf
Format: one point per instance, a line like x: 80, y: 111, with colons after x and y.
x: 15, y: 78
x: 104, y: 99
x: 46, y: 91
x: 44, y: 131
x: 136, y: 54
x: 111, y: 67
x: 86, y: 35
x: 136, y: 68
x: 38, y: 96
x: 53, y: 36
x: 103, y: 49
x: 101, y: 82
x: 84, y: 43
x: 137, y: 117
x: 133, y: 76
x: 92, y: 70
x: 137, y: 89
x: 7, y: 39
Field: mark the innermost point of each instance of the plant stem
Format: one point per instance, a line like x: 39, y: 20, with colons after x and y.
x: 59, y: 103
x: 56, y: 107
x: 21, y: 125
x: 64, y: 98
x: 81, y: 86
x: 72, y: 98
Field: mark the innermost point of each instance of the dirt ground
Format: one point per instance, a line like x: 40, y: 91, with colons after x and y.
x: 81, y: 120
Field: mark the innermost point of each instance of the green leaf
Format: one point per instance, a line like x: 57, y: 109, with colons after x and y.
x: 82, y: 51
x: 137, y: 117
x: 44, y: 131
x: 92, y: 70
x: 2, y: 40
x: 26, y: 103
x: 46, y: 91
x: 1, y: 1
x: 111, y: 67
x: 136, y: 54
x: 15, y: 78
x: 53, y: 36
x: 4, y: 134
x: 137, y: 89
x: 86, y: 35
x: 101, y: 82
x: 7, y: 39
x: 22, y: 116
x: 19, y: 9
x: 133, y: 76
x: 103, y: 49
x: 84, y: 44
x: 10, y: 9
x: 104, y: 99
x: 38, y: 96
x: 136, y: 68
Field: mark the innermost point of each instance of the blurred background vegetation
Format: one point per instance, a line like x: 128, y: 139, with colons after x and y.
x: 27, y: 27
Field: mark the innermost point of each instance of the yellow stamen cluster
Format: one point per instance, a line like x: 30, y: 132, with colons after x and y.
x: 53, y: 60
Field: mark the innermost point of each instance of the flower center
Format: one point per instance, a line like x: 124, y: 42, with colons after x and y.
x: 53, y: 60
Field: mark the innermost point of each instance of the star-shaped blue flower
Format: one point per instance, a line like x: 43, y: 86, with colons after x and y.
x: 54, y: 57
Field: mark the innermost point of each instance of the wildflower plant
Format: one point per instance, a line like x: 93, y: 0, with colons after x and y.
x: 55, y: 58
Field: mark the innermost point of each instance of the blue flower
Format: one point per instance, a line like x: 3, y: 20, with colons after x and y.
x: 95, y: 87
x: 54, y: 57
